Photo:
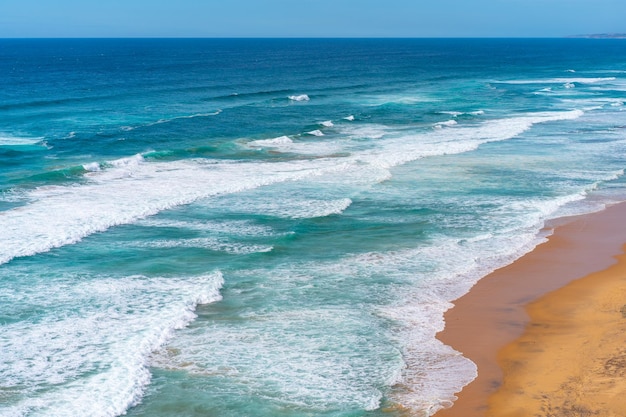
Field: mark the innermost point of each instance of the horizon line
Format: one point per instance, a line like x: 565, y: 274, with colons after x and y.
x: 587, y: 36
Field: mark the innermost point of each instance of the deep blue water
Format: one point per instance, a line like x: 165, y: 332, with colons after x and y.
x: 199, y: 227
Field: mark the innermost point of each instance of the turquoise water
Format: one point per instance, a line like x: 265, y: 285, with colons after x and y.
x: 275, y: 227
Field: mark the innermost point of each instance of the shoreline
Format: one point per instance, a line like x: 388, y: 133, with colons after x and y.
x: 571, y: 360
x: 493, y: 313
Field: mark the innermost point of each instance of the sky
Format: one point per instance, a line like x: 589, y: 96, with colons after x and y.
x: 309, y: 18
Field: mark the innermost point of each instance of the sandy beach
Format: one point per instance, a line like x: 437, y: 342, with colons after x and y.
x: 571, y: 360
x: 491, y: 326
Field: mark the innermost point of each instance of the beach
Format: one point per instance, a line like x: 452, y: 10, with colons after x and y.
x: 545, y: 341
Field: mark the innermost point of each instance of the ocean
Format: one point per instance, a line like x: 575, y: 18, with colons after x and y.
x: 275, y: 227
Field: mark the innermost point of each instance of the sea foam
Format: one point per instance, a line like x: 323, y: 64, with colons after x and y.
x: 579, y: 80
x: 301, y: 97
x: 90, y: 354
x: 439, y: 125
x: 282, y: 140
x: 61, y: 215
x: 7, y: 140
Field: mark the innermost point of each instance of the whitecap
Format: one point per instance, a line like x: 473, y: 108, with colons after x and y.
x: 281, y: 140
x: 92, y: 166
x: 127, y: 162
x: 589, y: 80
x: 301, y: 97
x: 349, y: 118
x: 327, y: 123
x: 452, y: 113
x: 446, y: 123
x: 316, y: 132
x: 18, y: 141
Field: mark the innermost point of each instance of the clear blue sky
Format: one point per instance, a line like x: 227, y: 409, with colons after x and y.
x: 309, y: 18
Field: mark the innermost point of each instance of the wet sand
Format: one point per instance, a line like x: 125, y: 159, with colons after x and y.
x: 571, y: 360
x: 493, y: 314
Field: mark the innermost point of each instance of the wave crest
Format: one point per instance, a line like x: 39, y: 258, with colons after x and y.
x: 301, y: 97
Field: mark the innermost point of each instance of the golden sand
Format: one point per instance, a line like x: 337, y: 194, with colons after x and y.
x: 493, y: 315
x: 571, y: 360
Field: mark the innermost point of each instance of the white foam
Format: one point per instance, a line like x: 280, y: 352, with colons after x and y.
x: 115, y: 169
x: 282, y: 140
x: 281, y: 348
x: 92, y: 166
x: 349, y: 118
x: 327, y: 123
x: 595, y: 103
x: 292, y: 208
x: 7, y: 140
x: 214, y: 244
x: 460, y: 113
x: 89, y: 355
x: 569, y: 85
x: 289, y: 354
x: 286, y: 144
x: 227, y: 227
x: 452, y: 113
x: 315, y: 208
x: 365, y: 131
x: 397, y: 150
x: 560, y: 81
x: 13, y: 195
x: 127, y: 162
x: 446, y: 123
x: 395, y: 99
x: 438, y: 274
x: 301, y: 97
x: 129, y: 189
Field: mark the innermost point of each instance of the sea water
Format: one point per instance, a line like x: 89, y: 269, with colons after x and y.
x: 276, y: 227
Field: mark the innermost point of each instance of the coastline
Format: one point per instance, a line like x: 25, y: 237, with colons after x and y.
x: 493, y: 313
x: 571, y: 360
